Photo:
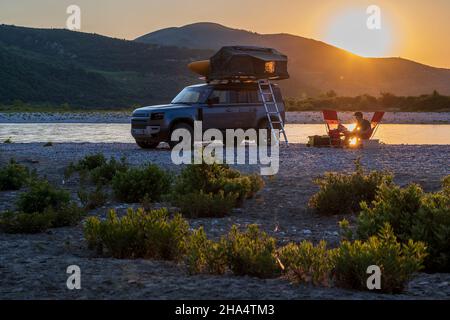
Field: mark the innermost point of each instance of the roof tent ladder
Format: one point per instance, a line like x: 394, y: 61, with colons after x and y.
x: 271, y: 106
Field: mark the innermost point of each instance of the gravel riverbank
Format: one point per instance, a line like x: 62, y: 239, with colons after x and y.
x: 34, y: 266
x: 292, y: 117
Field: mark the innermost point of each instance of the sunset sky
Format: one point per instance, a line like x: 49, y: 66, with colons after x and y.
x: 414, y: 29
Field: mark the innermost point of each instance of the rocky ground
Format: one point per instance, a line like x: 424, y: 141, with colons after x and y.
x: 292, y: 117
x: 34, y: 266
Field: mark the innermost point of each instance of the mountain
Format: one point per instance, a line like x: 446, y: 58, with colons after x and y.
x: 54, y: 66
x: 315, y: 67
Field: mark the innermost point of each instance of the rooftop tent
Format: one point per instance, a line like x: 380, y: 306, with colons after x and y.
x: 252, y: 63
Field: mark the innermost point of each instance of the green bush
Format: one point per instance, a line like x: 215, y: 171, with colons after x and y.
x: 105, y: 173
x: 201, y: 205
x: 215, y: 178
x: 13, y: 176
x: 93, y: 199
x: 37, y: 222
x: 414, y: 215
x: 41, y: 196
x: 43, y: 206
x: 134, y: 184
x: 139, y: 234
x: 97, y: 168
x: 26, y: 223
x: 252, y: 253
x: 398, y: 262
x: 67, y: 215
x: 88, y: 163
x: 213, y: 186
x: 205, y: 256
x: 306, y: 263
x: 342, y: 193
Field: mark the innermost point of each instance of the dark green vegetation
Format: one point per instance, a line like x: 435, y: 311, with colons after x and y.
x: 97, y: 169
x: 135, y: 184
x: 213, y: 190
x: 13, y: 176
x: 139, y: 234
x: 342, y: 193
x: 413, y: 214
x: 155, y: 235
x: 387, y: 102
x: 41, y: 207
x: 50, y: 67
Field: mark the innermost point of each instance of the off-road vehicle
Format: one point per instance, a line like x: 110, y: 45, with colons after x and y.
x: 220, y: 106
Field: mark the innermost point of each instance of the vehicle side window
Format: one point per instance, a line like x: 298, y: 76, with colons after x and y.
x: 220, y: 96
x: 239, y: 96
x: 254, y: 96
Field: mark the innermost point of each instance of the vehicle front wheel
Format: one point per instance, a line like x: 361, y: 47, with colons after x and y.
x: 181, y: 126
x: 147, y: 144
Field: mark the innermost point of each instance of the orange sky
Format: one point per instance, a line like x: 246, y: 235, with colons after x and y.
x: 414, y: 29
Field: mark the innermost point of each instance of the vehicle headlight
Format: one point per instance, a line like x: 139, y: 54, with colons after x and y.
x: 157, y: 116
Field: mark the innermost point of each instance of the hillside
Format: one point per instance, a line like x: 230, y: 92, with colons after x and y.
x: 52, y: 66
x: 316, y: 67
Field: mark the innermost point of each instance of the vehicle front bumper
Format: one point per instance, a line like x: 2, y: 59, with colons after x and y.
x: 144, y: 128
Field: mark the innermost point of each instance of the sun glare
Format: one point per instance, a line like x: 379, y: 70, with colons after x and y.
x: 348, y: 30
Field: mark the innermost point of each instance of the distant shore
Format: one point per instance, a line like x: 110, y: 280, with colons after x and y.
x: 310, y: 117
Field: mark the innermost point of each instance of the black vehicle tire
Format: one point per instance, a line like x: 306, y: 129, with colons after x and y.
x: 182, y: 125
x: 147, y: 144
x: 264, y: 125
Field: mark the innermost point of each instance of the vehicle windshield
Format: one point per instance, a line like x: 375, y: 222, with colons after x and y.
x: 192, y: 95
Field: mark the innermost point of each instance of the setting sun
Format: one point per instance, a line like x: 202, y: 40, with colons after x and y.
x: 348, y: 30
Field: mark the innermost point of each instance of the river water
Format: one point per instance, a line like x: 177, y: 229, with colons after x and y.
x: 417, y: 134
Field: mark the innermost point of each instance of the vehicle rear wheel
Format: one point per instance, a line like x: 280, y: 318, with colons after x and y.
x: 147, y: 144
x: 264, y: 125
x: 181, y: 126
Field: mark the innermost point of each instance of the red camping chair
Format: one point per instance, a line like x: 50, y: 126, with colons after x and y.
x: 375, y: 123
x: 332, y: 123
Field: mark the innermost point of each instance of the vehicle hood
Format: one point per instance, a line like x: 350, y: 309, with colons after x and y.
x: 163, y: 107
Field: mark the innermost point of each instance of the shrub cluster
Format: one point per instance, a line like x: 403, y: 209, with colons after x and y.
x: 204, y: 255
x: 93, y: 199
x: 413, y: 214
x: 99, y: 170
x: 41, y: 207
x: 212, y: 190
x: 398, y: 262
x: 306, y: 263
x: 135, y: 184
x: 252, y: 253
x: 342, y: 193
x: 138, y: 234
x: 346, y: 266
x: 13, y: 176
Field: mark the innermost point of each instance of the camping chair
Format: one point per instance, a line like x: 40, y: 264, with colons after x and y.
x: 375, y: 123
x: 332, y: 124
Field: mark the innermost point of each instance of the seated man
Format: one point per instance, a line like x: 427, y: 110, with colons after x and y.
x: 363, y: 129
